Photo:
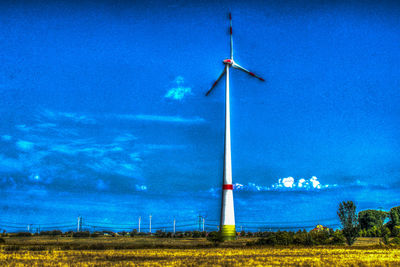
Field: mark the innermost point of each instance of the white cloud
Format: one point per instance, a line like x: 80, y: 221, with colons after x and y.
x: 315, y: 183
x: 302, y: 184
x: 24, y: 145
x: 288, y: 183
x: 179, y: 92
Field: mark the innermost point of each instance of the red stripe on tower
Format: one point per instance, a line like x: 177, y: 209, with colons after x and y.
x: 231, y: 30
x: 227, y: 187
x: 252, y: 74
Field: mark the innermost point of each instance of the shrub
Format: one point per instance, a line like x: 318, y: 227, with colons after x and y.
x: 283, y: 238
x: 160, y: 233
x: 396, y: 241
x: 179, y: 235
x: 23, y: 234
x: 188, y: 234
x: 320, y: 237
x: 51, y: 233
x: 81, y: 234
x: 215, y: 238
x: 196, y: 234
x: 338, y: 238
x: 96, y: 234
x: 133, y: 233
x: 2, y: 240
x: 300, y: 238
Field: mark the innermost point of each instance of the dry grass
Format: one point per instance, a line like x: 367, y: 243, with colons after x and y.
x: 208, y: 257
x: 230, y: 253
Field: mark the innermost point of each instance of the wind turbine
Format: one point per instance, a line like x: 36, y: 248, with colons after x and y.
x: 227, y: 223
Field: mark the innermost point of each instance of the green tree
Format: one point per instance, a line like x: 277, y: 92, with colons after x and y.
x: 396, y: 231
x: 385, y: 233
x: 215, y: 238
x: 395, y: 215
x: 370, y: 218
x: 338, y: 237
x: 348, y: 218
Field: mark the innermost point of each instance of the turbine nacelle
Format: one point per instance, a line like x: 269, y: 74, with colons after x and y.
x: 228, y: 61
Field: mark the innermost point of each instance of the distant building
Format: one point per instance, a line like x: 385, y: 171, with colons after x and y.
x: 319, y: 228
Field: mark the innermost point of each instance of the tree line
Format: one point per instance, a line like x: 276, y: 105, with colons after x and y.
x: 369, y: 223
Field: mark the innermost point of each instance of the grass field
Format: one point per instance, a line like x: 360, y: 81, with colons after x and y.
x: 45, y: 251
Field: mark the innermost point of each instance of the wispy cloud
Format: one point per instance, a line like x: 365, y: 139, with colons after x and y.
x: 141, y: 187
x: 180, y: 91
x: 125, y: 138
x: 160, y: 118
x: 164, y: 147
x: 115, y: 166
x: 23, y: 127
x: 58, y: 150
x: 10, y: 164
x: 6, y: 137
x: 66, y: 116
x: 24, y: 145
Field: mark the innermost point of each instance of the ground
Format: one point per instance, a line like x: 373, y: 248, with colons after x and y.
x: 124, y: 251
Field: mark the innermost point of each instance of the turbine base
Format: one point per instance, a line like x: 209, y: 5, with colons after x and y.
x: 228, y: 232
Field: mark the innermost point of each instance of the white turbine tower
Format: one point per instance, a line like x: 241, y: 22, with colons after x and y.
x: 227, y: 223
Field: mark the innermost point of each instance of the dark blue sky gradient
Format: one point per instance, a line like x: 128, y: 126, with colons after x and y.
x: 103, y: 112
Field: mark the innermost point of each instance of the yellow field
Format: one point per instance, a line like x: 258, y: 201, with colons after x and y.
x: 208, y: 257
x: 367, y: 252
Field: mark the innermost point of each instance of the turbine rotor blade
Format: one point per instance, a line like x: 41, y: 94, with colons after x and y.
x: 215, y: 83
x: 236, y: 66
x: 230, y: 33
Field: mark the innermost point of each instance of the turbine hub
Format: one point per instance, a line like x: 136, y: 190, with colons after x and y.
x: 228, y: 61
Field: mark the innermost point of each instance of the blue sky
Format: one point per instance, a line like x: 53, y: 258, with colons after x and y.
x: 103, y: 112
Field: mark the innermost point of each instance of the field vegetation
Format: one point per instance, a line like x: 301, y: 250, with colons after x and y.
x: 369, y: 238
x: 127, y: 251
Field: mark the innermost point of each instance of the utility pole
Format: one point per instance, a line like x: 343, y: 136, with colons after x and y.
x: 174, y: 225
x: 200, y: 223
x: 150, y: 225
x: 139, y: 223
x: 79, y: 224
x: 203, y: 223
